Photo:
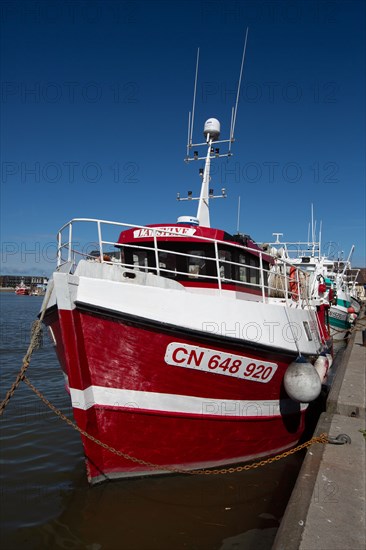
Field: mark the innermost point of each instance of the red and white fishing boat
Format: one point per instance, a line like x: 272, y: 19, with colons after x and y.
x: 22, y: 289
x: 176, y: 347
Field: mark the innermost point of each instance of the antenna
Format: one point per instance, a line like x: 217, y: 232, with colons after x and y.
x: 191, y: 117
x: 211, y: 132
x: 235, y: 110
x: 237, y: 228
x: 189, y: 130
x: 320, y: 237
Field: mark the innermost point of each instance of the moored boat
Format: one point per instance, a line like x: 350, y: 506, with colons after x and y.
x: 332, y: 282
x: 344, y: 310
x: 178, y: 349
x: 352, y: 275
x: 22, y: 289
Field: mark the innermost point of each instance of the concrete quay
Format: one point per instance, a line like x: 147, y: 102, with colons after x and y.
x: 326, y: 510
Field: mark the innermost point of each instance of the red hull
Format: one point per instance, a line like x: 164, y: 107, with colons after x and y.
x: 126, y: 395
x: 22, y: 292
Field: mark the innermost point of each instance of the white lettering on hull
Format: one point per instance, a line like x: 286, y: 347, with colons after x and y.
x: 218, y: 362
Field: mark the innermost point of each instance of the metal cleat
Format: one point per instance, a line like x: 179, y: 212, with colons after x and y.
x: 340, y: 439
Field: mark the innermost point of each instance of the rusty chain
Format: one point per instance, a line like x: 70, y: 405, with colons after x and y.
x: 323, y: 438
x: 33, y: 344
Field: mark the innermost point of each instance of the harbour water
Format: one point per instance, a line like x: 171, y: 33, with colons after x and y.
x: 46, y: 501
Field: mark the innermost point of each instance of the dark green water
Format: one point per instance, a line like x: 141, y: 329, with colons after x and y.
x: 47, y: 503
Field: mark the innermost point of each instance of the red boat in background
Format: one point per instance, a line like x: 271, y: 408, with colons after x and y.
x: 178, y: 345
x: 22, y: 289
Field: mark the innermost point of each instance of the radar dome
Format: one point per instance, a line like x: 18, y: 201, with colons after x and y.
x: 188, y: 219
x: 212, y: 127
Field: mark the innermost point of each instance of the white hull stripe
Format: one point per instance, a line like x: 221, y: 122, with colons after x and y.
x: 184, y: 404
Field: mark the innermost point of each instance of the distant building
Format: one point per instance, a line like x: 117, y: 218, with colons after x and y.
x: 11, y: 281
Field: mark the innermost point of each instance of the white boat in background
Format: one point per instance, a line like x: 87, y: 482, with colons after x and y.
x: 329, y: 279
x: 342, y: 314
x: 352, y: 275
x: 313, y: 267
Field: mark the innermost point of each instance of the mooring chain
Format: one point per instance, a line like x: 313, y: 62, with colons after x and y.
x: 323, y: 438
x: 36, y: 338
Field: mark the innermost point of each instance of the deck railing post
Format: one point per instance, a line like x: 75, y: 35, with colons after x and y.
x: 286, y: 276
x: 217, y: 265
x: 70, y: 243
x: 100, y: 241
x: 59, y: 244
x: 156, y: 254
x: 262, y: 276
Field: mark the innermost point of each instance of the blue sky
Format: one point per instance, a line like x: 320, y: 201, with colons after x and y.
x: 95, y: 99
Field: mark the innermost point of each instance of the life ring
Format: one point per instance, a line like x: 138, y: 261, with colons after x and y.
x: 293, y: 284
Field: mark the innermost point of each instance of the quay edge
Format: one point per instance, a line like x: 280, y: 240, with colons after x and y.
x: 327, y: 506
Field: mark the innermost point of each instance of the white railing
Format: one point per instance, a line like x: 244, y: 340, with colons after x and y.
x: 272, y: 282
x: 297, y: 249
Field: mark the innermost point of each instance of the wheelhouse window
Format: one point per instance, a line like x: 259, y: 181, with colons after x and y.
x: 141, y: 259
x: 168, y: 264
x: 184, y: 261
x: 253, y: 273
x: 248, y: 271
x: 226, y: 268
x: 196, y: 263
x: 177, y: 260
x: 242, y: 270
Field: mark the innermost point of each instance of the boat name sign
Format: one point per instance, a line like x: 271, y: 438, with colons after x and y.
x: 218, y: 362
x: 164, y: 232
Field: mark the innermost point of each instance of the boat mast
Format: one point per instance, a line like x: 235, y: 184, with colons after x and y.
x: 348, y: 261
x: 203, y: 211
x: 212, y: 134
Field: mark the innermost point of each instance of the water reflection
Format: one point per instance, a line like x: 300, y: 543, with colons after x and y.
x: 180, y: 512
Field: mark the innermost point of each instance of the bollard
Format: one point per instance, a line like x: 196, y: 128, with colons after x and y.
x: 364, y: 338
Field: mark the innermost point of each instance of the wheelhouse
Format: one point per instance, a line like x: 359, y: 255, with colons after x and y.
x: 196, y: 256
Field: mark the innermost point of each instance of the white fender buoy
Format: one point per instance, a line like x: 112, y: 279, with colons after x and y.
x: 301, y: 381
x: 352, y: 317
x: 330, y: 359
x: 321, y: 366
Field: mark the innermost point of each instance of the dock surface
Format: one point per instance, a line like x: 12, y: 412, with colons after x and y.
x: 326, y: 510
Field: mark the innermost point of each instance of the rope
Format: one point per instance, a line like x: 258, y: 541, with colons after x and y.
x: 36, y: 339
